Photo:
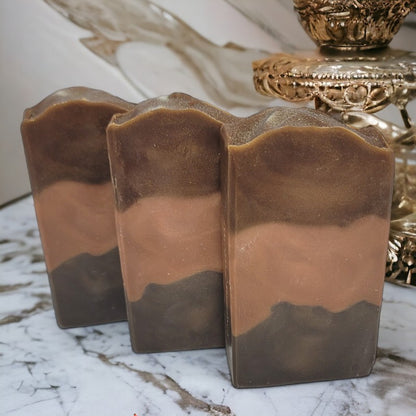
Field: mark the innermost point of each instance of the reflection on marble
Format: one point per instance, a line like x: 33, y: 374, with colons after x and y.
x: 149, y: 44
x: 92, y: 371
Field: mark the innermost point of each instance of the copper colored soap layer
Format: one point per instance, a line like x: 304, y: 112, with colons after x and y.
x: 78, y: 218
x: 298, y: 264
x: 183, y: 233
x: 164, y: 158
x: 66, y: 151
x: 306, y: 205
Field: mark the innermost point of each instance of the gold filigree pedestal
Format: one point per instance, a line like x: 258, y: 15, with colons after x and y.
x: 353, y: 76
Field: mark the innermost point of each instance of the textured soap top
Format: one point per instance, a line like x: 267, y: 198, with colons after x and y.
x: 71, y: 95
x: 277, y: 118
x: 175, y: 101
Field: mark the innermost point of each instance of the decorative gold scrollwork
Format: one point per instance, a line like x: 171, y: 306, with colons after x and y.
x: 352, y: 24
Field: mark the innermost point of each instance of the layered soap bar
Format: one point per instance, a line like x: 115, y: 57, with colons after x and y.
x: 164, y: 158
x: 306, y: 218
x: 64, y: 137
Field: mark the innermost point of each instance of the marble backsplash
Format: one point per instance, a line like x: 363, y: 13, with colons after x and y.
x: 137, y: 49
x: 148, y: 44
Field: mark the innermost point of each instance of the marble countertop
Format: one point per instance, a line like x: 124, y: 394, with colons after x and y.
x: 45, y: 370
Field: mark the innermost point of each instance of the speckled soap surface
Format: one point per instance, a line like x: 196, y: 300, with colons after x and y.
x: 306, y: 204
x: 164, y: 157
x: 64, y: 137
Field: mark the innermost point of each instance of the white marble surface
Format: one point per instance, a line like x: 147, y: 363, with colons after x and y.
x: 46, y: 371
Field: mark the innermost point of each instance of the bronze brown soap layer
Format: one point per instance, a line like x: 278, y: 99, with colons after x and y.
x: 164, y: 157
x: 306, y: 206
x: 87, y: 287
x: 64, y: 137
x: 298, y: 344
x: 166, y: 238
x: 181, y: 315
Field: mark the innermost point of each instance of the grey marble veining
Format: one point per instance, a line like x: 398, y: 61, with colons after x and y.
x: 148, y: 44
x: 45, y: 370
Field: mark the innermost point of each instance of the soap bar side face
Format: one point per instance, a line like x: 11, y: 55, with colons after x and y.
x: 165, y: 167
x: 64, y: 138
x: 306, y: 222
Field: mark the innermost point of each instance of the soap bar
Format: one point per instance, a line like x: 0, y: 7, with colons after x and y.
x: 164, y: 157
x: 64, y: 137
x: 306, y: 204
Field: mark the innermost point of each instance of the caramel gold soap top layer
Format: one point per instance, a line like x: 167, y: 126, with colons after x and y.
x: 164, y: 157
x: 64, y: 137
x: 316, y: 162
x: 177, y: 153
x: 306, y: 205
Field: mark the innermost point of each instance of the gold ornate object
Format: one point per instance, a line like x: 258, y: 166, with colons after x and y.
x: 342, y: 82
x: 352, y: 24
x: 401, y: 258
x: 353, y: 78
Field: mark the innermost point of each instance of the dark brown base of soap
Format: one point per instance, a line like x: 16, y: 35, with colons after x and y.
x: 88, y: 290
x: 298, y: 344
x: 184, y: 315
